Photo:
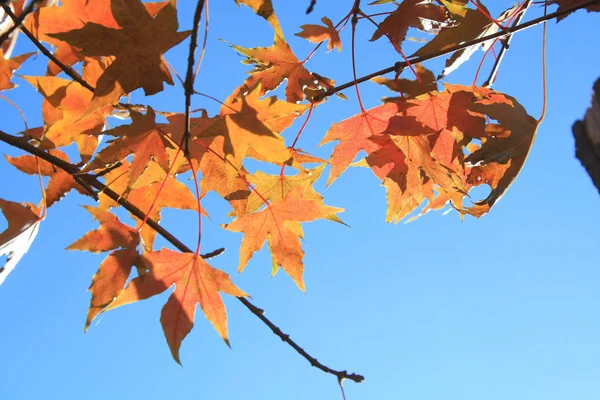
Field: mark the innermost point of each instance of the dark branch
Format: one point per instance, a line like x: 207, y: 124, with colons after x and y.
x: 505, y: 45
x: 17, y: 21
x: 403, y: 64
x: 189, y: 76
x: 286, y: 338
x: 92, y: 181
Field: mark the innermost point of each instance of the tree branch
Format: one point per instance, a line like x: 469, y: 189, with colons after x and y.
x: 505, y: 45
x: 402, y: 64
x: 17, y: 21
x: 92, y: 181
x: 189, y: 76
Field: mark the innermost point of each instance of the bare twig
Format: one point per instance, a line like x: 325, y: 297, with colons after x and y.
x: 403, y: 64
x: 286, y: 338
x: 92, y: 181
x: 189, y: 76
x: 17, y: 21
x: 505, y: 45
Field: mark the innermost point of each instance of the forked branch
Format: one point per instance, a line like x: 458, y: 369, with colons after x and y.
x: 92, y: 181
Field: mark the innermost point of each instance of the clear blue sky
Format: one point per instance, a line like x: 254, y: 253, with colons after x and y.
x: 505, y: 307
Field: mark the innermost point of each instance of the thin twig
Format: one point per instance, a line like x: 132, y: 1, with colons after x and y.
x: 92, y: 181
x: 189, y: 76
x: 286, y: 338
x: 505, y: 45
x: 17, y: 21
x: 403, y: 64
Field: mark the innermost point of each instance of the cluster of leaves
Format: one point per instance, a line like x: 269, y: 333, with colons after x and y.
x: 429, y: 145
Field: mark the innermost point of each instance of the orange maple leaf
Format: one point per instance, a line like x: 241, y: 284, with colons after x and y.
x: 279, y: 223
x: 319, y: 33
x: 71, y: 15
x: 272, y: 65
x: 112, y: 275
x: 141, y: 41
x: 23, y: 223
x: 60, y: 182
x: 63, y: 109
x: 8, y: 66
x: 195, y: 282
x: 142, y: 138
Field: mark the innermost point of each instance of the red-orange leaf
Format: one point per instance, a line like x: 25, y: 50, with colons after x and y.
x: 353, y: 135
x: 195, y: 282
x: 319, y: 33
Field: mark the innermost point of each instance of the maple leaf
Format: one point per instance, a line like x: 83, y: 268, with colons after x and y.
x: 272, y: 65
x: 71, y: 15
x: 63, y: 109
x: 503, y: 153
x: 474, y: 25
x: 275, y: 188
x: 319, y: 33
x: 141, y: 41
x: 566, y: 4
x: 145, y: 190
x: 264, y: 8
x: 408, y: 170
x: 142, y: 138
x: 23, y: 224
x: 8, y: 66
x: 410, y: 88
x: 195, y: 282
x: 112, y: 275
x: 279, y: 224
x: 410, y: 14
x: 247, y: 125
x: 60, y: 183
x: 353, y: 135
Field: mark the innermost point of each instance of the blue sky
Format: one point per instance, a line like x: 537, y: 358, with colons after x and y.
x: 496, y: 308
